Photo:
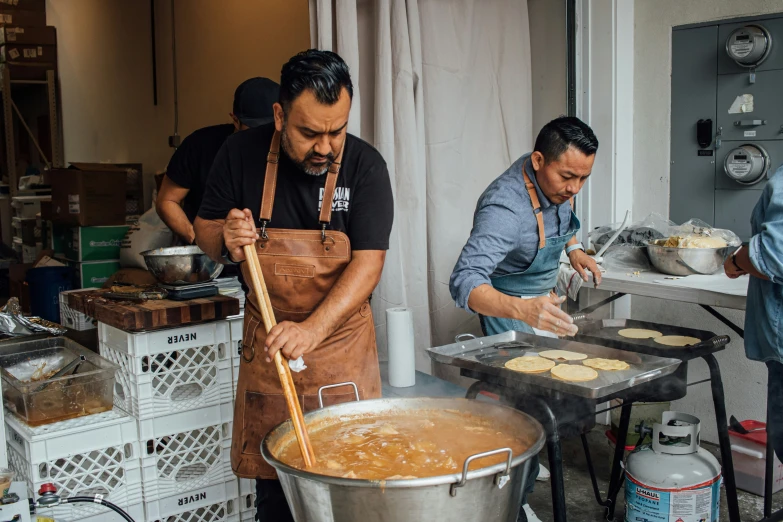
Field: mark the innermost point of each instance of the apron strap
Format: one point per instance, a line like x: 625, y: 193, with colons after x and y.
x: 531, y: 190
x: 270, y: 179
x: 270, y: 184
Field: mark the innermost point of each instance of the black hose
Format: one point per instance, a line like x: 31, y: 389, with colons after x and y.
x: 95, y: 500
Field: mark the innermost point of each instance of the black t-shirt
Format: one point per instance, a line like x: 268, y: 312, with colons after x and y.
x: 363, y: 206
x: 190, y: 164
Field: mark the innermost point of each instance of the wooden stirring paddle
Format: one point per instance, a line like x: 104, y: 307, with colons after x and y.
x: 283, y: 371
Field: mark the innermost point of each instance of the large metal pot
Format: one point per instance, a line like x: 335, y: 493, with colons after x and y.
x: 490, y: 494
x: 687, y: 261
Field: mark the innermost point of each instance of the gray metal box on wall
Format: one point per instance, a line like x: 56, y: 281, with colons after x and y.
x: 730, y: 73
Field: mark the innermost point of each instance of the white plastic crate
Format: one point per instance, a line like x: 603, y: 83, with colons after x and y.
x: 236, y: 328
x: 186, y: 451
x: 216, y: 503
x: 82, y: 456
x: 136, y: 512
x: 247, y: 500
x: 74, y: 319
x: 169, y: 371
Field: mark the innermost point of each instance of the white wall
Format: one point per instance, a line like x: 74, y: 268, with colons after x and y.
x: 105, y: 69
x: 744, y: 381
x: 548, y: 53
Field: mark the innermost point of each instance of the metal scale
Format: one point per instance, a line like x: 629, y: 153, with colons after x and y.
x: 192, y: 291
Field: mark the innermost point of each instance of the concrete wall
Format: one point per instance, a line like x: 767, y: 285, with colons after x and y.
x: 105, y: 68
x: 548, y: 48
x: 745, y: 382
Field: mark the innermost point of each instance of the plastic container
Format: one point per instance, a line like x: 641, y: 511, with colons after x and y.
x: 82, y: 456
x: 236, y: 327
x: 749, y: 453
x: 46, y: 283
x: 247, y: 500
x: 186, y: 451
x: 54, y: 399
x: 216, y: 503
x: 169, y: 371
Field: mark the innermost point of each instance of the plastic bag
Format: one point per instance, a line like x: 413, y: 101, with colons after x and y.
x: 626, y: 258
x: 636, y: 234
x: 698, y: 228
x: 148, y: 234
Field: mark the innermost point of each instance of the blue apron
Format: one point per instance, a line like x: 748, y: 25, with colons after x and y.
x: 539, y: 279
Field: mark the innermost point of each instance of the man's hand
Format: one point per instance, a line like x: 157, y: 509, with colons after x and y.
x: 582, y: 262
x: 238, y: 231
x: 731, y: 268
x: 292, y: 339
x: 544, y: 313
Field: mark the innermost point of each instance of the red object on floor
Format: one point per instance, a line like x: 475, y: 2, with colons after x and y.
x: 613, y: 440
x: 490, y: 395
x: 759, y: 437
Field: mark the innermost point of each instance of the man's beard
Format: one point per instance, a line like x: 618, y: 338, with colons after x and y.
x: 304, y: 165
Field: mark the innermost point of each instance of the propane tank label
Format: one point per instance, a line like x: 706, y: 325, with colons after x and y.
x: 647, y: 504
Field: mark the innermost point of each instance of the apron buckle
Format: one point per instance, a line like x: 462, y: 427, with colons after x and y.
x: 323, y: 232
x: 264, y: 222
x: 252, y: 353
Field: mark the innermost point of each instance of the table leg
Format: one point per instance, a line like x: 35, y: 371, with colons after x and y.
x: 723, y: 438
x: 617, y: 475
x: 720, y: 317
x: 555, y: 453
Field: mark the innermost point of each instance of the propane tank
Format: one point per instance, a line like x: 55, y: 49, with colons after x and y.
x: 672, y: 479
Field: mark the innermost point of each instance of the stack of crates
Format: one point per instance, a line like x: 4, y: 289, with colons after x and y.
x: 178, y: 385
x: 91, y: 455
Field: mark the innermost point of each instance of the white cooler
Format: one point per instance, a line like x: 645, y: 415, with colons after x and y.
x: 750, y: 457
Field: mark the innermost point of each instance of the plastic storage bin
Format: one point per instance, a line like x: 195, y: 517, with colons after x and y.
x: 169, y: 371
x: 186, y: 451
x: 74, y: 319
x: 749, y: 453
x: 50, y: 399
x: 82, y: 456
x: 216, y: 503
x: 46, y: 283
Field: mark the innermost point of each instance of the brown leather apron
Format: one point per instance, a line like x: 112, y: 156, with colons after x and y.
x: 300, y: 268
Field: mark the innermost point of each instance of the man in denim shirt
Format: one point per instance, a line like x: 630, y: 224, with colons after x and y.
x: 763, y: 261
x: 507, y: 271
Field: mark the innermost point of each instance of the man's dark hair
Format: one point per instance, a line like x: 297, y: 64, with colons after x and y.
x: 322, y: 72
x: 562, y: 132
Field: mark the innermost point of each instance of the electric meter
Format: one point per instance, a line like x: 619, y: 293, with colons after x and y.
x: 749, y: 45
x: 747, y: 164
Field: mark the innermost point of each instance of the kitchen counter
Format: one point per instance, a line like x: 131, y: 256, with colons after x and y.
x: 426, y: 386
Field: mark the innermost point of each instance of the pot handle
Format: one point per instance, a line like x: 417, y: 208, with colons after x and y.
x: 338, y: 385
x: 500, y: 479
x: 463, y: 337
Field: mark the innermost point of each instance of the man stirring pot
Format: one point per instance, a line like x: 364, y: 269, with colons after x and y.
x: 321, y: 234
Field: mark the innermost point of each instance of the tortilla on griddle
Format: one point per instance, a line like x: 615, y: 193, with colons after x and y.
x: 606, y: 364
x: 562, y: 355
x: 676, y: 340
x: 574, y: 373
x: 639, y: 333
x: 530, y: 364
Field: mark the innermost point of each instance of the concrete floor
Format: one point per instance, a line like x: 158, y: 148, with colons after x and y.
x: 581, y: 504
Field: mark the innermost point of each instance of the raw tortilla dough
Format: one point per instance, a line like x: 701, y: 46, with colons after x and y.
x: 530, y: 364
x: 639, y: 333
x: 562, y: 355
x: 574, y: 373
x: 694, y: 242
x: 676, y: 340
x: 606, y: 364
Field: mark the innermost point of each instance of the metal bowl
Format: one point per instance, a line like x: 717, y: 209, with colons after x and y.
x: 184, y: 265
x: 687, y: 261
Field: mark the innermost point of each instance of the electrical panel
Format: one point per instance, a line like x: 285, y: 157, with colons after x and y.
x: 726, y: 119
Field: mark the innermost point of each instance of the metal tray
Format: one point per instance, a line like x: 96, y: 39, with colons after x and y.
x: 605, y: 333
x: 488, y: 355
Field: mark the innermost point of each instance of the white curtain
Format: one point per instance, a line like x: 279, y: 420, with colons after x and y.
x: 446, y: 98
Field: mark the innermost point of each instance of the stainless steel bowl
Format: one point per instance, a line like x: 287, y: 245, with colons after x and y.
x: 184, y: 265
x: 687, y: 261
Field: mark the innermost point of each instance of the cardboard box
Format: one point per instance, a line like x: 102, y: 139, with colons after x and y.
x: 89, y: 243
x: 28, y: 53
x: 14, y: 34
x: 92, y: 274
x: 15, y: 16
x: 89, y: 195
x: 26, y: 5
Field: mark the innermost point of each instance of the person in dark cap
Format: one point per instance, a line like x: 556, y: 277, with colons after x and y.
x: 183, y: 186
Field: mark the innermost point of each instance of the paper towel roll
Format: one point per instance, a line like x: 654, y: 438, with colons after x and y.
x: 399, y: 343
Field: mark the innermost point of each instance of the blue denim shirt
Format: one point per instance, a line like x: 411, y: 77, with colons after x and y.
x: 504, y: 239
x: 765, y: 298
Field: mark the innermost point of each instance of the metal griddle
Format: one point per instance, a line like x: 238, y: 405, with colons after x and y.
x: 488, y: 355
x: 605, y: 332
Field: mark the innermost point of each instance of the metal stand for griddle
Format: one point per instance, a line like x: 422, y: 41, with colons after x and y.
x: 564, y: 415
x: 727, y: 461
